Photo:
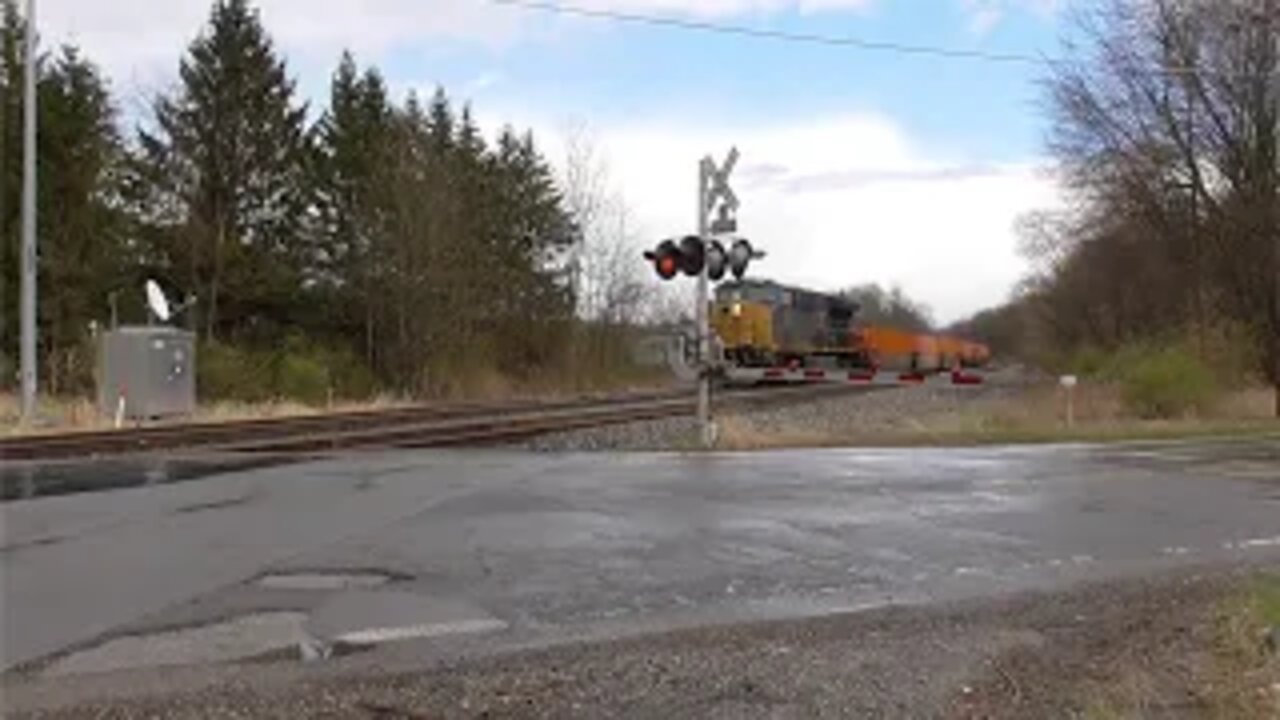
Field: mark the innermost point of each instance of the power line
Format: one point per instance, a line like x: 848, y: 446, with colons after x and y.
x: 783, y: 35
x: 846, y: 41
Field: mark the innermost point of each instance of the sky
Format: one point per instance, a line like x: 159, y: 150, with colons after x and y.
x: 856, y: 165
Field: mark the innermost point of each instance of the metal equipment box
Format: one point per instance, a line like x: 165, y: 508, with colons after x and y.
x: 149, y: 370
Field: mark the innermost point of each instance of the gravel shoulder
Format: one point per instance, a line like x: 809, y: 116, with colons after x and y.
x: 793, y: 422
x: 1150, y: 647
x: 1013, y: 405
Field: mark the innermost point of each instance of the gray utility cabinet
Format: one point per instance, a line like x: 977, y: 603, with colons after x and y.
x: 152, y: 367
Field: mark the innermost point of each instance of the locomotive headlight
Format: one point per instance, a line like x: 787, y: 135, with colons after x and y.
x: 737, y: 309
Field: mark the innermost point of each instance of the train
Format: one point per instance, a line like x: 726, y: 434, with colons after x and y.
x: 764, y: 324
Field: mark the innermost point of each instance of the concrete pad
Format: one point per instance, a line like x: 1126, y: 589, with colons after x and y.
x: 234, y: 639
x: 367, y: 617
x: 322, y: 580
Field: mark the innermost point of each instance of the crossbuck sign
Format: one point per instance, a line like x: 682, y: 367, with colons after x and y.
x: 719, y: 181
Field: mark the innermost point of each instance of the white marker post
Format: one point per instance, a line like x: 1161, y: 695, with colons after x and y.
x: 1068, y: 383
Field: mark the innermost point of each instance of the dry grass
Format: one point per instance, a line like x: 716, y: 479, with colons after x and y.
x: 1242, y: 680
x: 72, y: 414
x: 1225, y: 671
x: 734, y: 432
x: 63, y: 414
x: 1033, y: 415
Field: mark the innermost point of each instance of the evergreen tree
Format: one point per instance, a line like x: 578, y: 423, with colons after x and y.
x: 352, y: 140
x: 532, y: 234
x: 81, y: 228
x: 228, y: 162
x: 10, y: 185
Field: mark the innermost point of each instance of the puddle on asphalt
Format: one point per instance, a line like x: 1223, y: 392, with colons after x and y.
x: 238, y: 638
x: 323, y: 580
x: 30, y: 479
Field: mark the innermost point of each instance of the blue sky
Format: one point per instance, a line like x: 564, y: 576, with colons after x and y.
x: 858, y: 165
x: 614, y: 70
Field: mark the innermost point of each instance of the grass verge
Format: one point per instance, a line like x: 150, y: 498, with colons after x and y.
x: 987, y: 417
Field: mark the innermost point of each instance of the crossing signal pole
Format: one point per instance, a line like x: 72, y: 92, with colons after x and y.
x: 704, y: 256
x: 706, y: 167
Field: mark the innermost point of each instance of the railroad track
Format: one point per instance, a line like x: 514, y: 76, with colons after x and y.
x: 415, y: 426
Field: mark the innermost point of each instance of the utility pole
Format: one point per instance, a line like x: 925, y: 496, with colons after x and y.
x: 705, y: 169
x: 28, y: 351
x: 1268, y: 18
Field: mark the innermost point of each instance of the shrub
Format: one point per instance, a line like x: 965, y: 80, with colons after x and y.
x: 1088, y: 362
x: 303, y: 377
x: 227, y: 372
x: 1164, y: 382
x: 350, y: 377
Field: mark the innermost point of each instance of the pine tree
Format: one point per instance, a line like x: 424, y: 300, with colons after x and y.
x: 10, y: 184
x: 533, y: 230
x: 352, y: 141
x: 81, y: 225
x: 228, y: 161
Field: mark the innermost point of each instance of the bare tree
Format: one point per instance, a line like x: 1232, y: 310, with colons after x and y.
x: 1167, y: 130
x: 605, y: 264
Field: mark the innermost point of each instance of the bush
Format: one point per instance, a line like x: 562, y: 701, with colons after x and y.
x: 301, y: 377
x: 349, y: 375
x: 227, y: 372
x: 297, y: 371
x: 1164, y: 382
x: 1089, y: 362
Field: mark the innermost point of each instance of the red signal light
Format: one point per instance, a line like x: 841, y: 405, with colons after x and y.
x: 665, y: 259
x: 667, y: 267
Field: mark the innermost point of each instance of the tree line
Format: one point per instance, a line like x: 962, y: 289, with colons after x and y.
x: 1164, y: 128
x: 393, y: 233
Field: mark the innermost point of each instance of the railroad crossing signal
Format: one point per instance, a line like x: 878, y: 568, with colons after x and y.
x: 718, y: 178
x: 703, y: 255
x: 665, y: 259
x: 689, y: 254
x: 741, y: 255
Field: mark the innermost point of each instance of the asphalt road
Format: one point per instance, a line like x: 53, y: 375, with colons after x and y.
x: 485, y: 551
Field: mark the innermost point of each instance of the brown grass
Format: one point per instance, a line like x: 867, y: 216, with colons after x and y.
x: 1033, y: 415
x: 1242, y: 679
x: 57, y: 414
x: 1230, y: 674
x: 63, y: 414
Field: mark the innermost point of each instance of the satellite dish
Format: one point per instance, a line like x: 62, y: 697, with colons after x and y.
x: 156, y: 300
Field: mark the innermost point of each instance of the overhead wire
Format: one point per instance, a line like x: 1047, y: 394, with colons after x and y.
x: 847, y: 41
x: 772, y: 34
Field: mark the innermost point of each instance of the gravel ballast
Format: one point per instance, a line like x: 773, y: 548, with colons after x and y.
x: 842, y: 414
x: 1038, y: 655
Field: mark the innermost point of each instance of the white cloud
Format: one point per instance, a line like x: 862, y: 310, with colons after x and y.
x: 836, y: 202
x: 985, y: 15
x: 481, y: 83
x: 139, y: 41
x: 718, y: 8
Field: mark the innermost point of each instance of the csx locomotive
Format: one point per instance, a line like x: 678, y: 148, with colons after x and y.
x: 764, y: 324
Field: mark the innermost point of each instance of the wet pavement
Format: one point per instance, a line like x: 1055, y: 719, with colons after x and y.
x: 26, y: 479
x: 425, y: 553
